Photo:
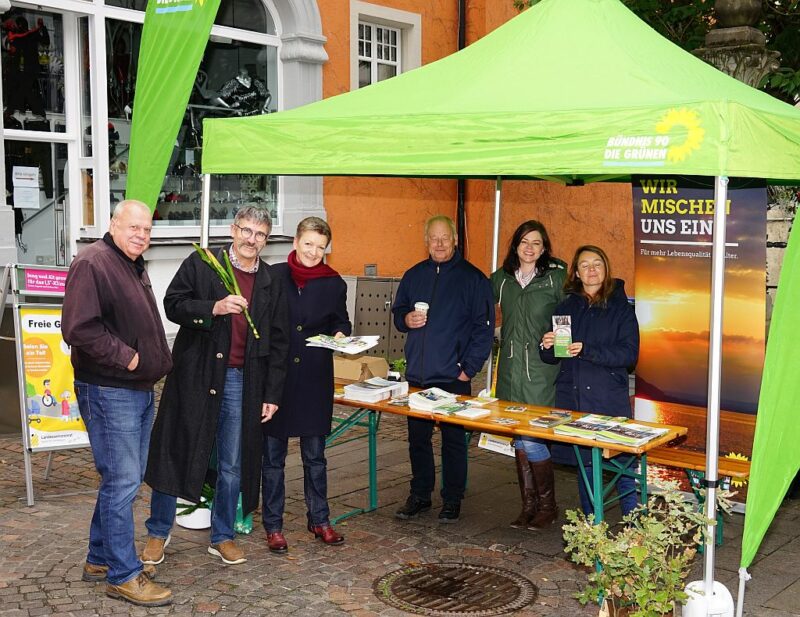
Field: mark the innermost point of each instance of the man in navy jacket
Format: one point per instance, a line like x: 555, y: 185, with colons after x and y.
x: 445, y: 347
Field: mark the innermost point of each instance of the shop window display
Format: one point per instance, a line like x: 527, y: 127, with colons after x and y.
x: 235, y: 79
x: 33, y: 69
x: 33, y: 99
x: 240, y: 14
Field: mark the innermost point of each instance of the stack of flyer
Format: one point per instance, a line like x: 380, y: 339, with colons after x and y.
x: 631, y: 434
x: 375, y: 389
x: 587, y: 427
x: 426, y: 400
x: 462, y: 410
x: 554, y: 418
x: 345, y: 344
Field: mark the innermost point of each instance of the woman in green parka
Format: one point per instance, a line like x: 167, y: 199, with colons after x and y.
x: 528, y: 288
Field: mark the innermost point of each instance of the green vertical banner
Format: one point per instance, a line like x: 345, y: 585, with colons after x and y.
x: 776, y: 455
x: 173, y: 41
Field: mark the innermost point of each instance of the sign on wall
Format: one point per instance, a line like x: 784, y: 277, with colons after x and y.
x: 673, y: 218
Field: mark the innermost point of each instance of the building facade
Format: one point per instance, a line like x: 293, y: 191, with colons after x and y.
x: 68, y: 84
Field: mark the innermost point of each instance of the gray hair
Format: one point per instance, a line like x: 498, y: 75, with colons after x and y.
x: 259, y: 216
x: 315, y: 224
x: 440, y: 218
x: 128, y: 203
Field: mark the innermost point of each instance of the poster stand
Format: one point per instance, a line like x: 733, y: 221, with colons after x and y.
x: 35, y: 295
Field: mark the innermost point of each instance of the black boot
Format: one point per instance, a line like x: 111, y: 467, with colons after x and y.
x: 527, y: 491
x: 544, y: 479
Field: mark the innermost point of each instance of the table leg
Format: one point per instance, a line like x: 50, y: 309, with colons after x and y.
x: 643, y: 479
x: 597, y: 486
x: 372, y: 460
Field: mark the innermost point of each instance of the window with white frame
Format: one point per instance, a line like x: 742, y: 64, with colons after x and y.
x: 379, y: 53
x: 384, y: 42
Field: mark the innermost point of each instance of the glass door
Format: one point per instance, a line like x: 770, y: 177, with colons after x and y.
x: 41, y: 56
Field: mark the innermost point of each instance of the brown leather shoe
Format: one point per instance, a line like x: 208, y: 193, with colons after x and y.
x: 140, y: 591
x: 228, y: 551
x: 277, y: 543
x: 326, y: 533
x: 153, y: 552
x: 93, y: 573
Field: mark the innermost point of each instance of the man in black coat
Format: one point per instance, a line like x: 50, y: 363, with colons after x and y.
x: 226, y: 381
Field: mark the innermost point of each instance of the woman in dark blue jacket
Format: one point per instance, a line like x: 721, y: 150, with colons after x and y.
x: 605, y: 346
x: 316, y: 296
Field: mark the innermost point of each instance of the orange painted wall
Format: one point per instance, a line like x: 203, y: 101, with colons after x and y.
x: 380, y: 220
x: 600, y: 214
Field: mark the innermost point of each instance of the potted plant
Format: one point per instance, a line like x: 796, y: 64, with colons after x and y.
x: 645, y: 559
x: 398, y: 366
x: 196, y: 515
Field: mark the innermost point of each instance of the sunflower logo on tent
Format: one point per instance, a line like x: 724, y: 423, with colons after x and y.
x: 685, y: 120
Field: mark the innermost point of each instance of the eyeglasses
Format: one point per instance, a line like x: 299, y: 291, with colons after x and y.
x: 247, y: 233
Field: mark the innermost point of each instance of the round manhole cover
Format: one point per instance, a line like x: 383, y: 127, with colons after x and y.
x: 455, y: 589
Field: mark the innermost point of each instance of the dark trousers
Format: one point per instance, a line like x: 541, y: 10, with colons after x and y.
x: 315, y: 481
x: 454, y: 452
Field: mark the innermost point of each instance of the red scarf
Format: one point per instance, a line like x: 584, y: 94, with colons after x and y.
x: 302, y: 274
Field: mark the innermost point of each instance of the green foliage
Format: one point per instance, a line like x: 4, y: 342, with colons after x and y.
x: 783, y: 83
x: 646, y: 560
x: 521, y: 5
x: 399, y: 365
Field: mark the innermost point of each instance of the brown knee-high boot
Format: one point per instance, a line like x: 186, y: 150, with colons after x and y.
x: 527, y: 491
x: 544, y: 478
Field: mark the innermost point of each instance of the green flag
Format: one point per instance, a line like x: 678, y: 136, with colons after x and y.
x: 776, y: 456
x: 173, y: 40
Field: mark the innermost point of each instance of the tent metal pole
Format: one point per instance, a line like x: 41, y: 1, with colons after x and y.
x: 498, y: 200
x: 205, y: 211
x: 714, y: 374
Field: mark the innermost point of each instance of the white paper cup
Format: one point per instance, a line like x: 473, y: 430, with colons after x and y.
x: 422, y: 307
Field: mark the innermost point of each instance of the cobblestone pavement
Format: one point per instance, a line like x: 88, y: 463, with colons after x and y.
x: 44, y: 546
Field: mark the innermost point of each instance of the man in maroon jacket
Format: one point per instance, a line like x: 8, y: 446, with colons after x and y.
x: 119, y: 350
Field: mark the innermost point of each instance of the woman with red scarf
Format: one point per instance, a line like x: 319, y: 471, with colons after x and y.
x: 316, y: 296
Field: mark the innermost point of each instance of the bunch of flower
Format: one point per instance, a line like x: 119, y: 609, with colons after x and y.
x: 226, y: 275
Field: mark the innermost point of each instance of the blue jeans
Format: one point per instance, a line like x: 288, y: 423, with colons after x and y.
x: 535, y: 449
x: 118, y: 421
x: 229, y: 459
x: 315, y: 481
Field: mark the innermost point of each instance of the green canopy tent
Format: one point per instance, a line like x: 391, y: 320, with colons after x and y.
x: 570, y: 90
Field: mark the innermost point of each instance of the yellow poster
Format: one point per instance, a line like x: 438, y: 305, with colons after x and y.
x: 53, y: 419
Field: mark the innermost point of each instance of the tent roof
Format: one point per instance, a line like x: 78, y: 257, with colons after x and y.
x: 568, y: 89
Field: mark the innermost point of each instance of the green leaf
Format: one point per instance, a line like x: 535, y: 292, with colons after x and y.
x: 639, y: 553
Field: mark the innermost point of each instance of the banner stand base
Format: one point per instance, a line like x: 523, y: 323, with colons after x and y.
x: 700, y: 604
